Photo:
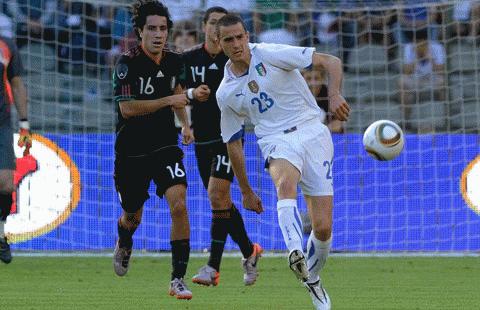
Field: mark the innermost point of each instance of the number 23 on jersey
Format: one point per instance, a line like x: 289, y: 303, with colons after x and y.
x: 264, y: 102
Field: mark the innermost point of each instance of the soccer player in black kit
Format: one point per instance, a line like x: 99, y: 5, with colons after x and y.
x: 148, y: 90
x: 204, y: 65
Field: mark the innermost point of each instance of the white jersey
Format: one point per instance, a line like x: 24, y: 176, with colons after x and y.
x: 272, y: 94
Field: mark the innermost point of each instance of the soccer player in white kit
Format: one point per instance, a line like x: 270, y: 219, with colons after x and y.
x: 262, y: 82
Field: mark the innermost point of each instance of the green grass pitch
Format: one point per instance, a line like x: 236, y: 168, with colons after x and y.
x: 352, y: 283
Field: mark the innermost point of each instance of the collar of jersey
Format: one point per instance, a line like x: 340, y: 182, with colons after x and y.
x: 149, y: 55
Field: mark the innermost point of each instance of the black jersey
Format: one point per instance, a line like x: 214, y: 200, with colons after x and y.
x: 201, y: 68
x: 138, y: 77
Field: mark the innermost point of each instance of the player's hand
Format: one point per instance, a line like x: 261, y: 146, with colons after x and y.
x: 187, y: 135
x: 339, y: 107
x: 25, y: 140
x: 252, y: 202
x: 201, y: 93
x: 178, y: 101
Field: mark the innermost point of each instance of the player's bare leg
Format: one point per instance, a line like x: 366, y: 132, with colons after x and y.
x: 6, y: 189
x: 127, y: 225
x: 286, y: 177
x: 318, y: 246
x: 179, y: 240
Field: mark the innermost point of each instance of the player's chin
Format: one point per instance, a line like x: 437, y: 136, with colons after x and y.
x: 158, y: 47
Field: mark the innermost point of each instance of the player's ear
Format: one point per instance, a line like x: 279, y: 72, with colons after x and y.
x: 247, y: 34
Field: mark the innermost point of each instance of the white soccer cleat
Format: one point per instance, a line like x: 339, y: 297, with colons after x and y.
x: 250, y: 272
x: 121, y: 260
x: 319, y: 296
x: 207, y: 276
x: 298, y: 264
x: 179, y: 289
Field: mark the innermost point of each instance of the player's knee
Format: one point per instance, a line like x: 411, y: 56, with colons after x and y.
x: 286, y: 187
x: 6, y: 185
x: 7, y: 188
x: 131, y: 220
x: 322, y: 232
x: 218, y: 199
x: 179, y: 209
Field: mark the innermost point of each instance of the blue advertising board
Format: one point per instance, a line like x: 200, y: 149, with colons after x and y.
x: 412, y: 203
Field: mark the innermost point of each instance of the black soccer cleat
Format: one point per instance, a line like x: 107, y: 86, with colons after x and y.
x: 5, y: 253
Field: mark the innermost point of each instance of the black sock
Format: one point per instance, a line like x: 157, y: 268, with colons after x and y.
x: 239, y: 234
x: 125, y: 236
x: 180, y: 256
x: 5, y: 205
x: 218, y: 233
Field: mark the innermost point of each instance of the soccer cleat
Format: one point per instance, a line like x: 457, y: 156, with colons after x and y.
x: 179, y: 289
x: 319, y: 296
x: 298, y: 265
x: 207, y: 276
x: 250, y: 273
x: 5, y: 253
x: 121, y: 259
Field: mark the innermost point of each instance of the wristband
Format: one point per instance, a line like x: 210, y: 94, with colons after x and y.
x: 190, y: 93
x: 333, y: 95
x: 24, y: 124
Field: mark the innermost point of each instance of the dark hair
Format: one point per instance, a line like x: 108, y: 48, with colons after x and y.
x: 213, y: 9
x: 143, y: 8
x: 229, y: 20
x: 184, y: 27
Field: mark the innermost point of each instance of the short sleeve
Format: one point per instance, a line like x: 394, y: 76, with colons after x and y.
x: 15, y: 67
x: 286, y: 57
x: 125, y: 86
x: 231, y: 122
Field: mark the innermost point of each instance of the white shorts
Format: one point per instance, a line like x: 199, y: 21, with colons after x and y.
x: 309, y: 148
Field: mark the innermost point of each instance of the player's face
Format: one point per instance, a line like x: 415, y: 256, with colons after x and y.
x: 234, y: 42
x: 210, y: 26
x: 185, y: 41
x: 314, y: 80
x: 154, y: 34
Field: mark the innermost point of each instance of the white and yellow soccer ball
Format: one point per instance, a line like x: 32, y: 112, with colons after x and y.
x: 383, y: 140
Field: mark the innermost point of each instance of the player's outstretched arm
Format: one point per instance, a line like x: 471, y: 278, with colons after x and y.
x: 333, y: 66
x: 249, y: 199
x: 133, y: 108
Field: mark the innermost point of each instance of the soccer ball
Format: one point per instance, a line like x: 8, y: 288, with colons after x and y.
x: 383, y: 140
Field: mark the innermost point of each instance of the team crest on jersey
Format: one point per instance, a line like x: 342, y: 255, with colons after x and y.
x: 121, y: 70
x: 254, y: 88
x: 261, y: 69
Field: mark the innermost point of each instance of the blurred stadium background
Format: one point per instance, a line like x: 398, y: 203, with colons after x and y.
x: 412, y: 204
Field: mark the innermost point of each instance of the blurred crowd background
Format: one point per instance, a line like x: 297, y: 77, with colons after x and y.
x: 414, y: 62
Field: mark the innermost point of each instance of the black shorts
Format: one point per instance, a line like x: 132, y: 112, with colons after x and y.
x: 134, y: 174
x: 7, y: 157
x: 213, y: 161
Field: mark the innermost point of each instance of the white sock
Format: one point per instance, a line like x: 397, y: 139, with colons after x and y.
x: 317, y: 253
x: 290, y: 224
x: 2, y: 229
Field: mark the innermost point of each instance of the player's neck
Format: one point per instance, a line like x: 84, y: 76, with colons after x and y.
x: 240, y: 67
x: 212, y: 48
x: 154, y: 57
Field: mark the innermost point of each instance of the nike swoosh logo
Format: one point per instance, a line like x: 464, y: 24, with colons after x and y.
x: 238, y: 95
